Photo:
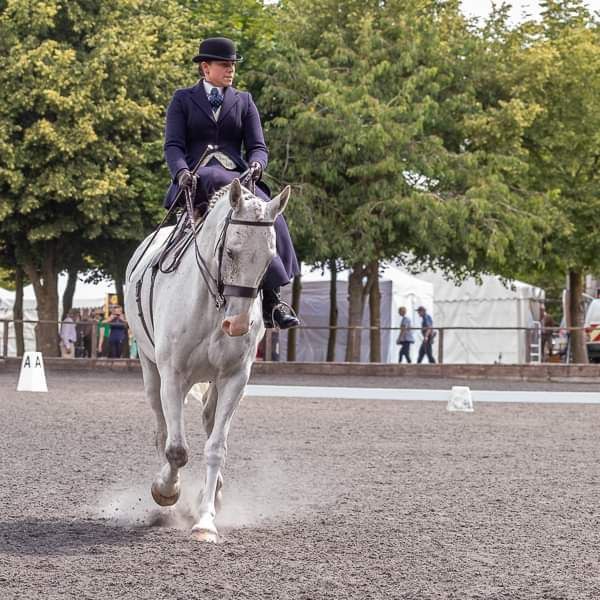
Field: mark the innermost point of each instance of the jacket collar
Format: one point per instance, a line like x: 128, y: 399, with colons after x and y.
x: 230, y: 97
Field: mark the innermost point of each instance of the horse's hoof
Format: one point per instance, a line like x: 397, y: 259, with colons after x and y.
x: 203, y: 535
x: 163, y: 500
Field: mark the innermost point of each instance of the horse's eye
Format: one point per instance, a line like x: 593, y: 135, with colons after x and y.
x: 229, y: 252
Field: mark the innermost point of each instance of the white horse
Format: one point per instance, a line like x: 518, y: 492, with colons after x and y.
x: 185, y: 335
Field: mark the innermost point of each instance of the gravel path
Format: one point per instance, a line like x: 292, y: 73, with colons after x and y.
x: 323, y: 499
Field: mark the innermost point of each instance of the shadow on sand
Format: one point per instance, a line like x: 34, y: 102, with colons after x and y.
x: 70, y: 536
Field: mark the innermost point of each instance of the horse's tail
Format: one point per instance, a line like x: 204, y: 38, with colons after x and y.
x: 197, y: 392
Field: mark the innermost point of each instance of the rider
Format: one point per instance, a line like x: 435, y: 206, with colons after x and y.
x: 214, y: 118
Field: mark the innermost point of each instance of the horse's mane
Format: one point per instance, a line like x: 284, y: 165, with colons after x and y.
x: 222, y: 193
x: 217, y: 196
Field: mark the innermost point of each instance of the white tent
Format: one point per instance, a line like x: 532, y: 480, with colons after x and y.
x: 485, y: 304
x: 87, y: 295
x: 398, y: 288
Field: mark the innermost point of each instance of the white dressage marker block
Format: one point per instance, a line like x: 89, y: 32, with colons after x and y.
x: 461, y: 399
x: 32, y: 377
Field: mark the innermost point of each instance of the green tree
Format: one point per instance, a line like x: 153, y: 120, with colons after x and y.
x: 379, y: 123
x: 555, y: 74
x: 83, y: 87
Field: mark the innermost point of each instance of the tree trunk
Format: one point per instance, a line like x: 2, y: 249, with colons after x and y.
x: 119, y: 282
x: 356, y: 305
x: 333, y: 311
x: 18, y: 311
x: 45, y: 284
x: 67, y: 299
x: 293, y: 333
x: 576, y: 318
x: 374, y: 313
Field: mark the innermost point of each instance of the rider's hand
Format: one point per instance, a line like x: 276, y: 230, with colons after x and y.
x: 185, y: 179
x: 256, y: 169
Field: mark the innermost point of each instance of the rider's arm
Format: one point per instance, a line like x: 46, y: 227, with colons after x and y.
x: 175, y: 136
x: 254, y: 139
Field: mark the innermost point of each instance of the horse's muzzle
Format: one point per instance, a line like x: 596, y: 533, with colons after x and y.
x: 236, y: 325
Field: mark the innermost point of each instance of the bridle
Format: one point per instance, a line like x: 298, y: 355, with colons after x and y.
x: 217, y: 288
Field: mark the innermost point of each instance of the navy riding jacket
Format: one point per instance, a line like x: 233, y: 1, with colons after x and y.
x: 191, y: 127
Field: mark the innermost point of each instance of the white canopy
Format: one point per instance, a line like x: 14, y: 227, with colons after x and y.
x: 398, y: 288
x: 488, y: 303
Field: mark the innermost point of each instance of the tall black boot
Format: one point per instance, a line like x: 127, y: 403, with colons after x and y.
x: 275, y: 313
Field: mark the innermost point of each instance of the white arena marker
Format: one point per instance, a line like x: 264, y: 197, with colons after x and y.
x: 32, y: 377
x: 460, y: 399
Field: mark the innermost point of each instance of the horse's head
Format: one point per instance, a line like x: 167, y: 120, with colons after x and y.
x: 248, y: 246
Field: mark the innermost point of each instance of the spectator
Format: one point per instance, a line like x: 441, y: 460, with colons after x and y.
x: 68, y: 336
x: 548, y: 325
x: 84, y: 334
x: 405, y: 338
x: 133, y: 347
x: 428, y: 335
x: 103, y: 334
x: 118, y: 332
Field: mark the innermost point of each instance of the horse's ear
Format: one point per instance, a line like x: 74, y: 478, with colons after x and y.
x: 235, y: 194
x: 280, y: 201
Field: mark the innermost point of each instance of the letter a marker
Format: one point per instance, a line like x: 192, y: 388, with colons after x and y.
x: 32, y: 377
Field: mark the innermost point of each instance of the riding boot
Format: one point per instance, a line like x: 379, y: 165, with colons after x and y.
x: 275, y: 313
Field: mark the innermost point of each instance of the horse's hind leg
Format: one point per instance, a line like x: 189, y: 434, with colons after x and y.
x: 166, y: 485
x: 209, y: 406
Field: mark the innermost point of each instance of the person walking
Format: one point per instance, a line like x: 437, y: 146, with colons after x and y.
x: 428, y: 335
x: 405, y: 337
x: 206, y: 127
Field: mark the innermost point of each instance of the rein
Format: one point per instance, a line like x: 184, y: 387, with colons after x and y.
x: 216, y: 286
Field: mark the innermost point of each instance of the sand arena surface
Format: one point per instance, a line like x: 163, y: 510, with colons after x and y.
x: 323, y: 499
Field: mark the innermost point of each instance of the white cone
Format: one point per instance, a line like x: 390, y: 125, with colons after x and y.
x: 460, y: 399
x: 32, y: 377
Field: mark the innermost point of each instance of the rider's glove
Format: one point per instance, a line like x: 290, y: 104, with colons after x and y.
x: 185, y: 179
x: 257, y: 170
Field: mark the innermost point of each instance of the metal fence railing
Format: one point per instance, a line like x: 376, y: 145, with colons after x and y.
x: 86, y: 344
x: 477, y: 345
x: 468, y: 344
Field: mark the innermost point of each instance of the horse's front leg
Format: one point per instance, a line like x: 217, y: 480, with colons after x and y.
x: 229, y: 393
x: 166, y: 485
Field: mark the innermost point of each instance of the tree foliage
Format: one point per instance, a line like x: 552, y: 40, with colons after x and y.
x: 83, y: 86
x: 382, y: 119
x: 379, y: 119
